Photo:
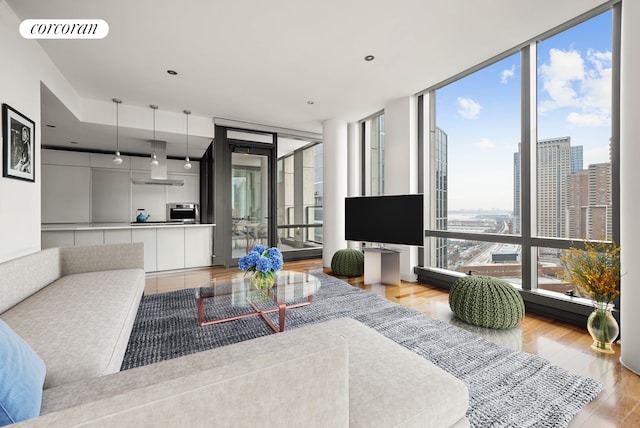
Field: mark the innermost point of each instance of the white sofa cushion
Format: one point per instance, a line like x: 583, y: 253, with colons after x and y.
x: 94, y: 258
x: 21, y: 277
x: 391, y: 386
x: 279, y: 380
x: 80, y: 324
x: 388, y: 384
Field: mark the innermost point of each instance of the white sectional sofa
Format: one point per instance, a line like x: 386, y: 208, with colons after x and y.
x: 334, y: 374
x: 75, y: 306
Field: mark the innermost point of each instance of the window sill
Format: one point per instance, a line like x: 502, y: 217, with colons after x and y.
x: 574, y: 310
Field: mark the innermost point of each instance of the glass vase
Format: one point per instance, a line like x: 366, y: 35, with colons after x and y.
x: 262, y: 281
x: 602, y: 327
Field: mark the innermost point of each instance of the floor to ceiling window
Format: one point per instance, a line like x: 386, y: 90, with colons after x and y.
x: 373, y: 155
x: 300, y: 194
x: 524, y: 157
x: 573, y: 197
x: 477, y: 132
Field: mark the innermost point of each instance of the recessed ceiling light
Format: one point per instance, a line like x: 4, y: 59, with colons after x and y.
x: 369, y: 58
x: 172, y: 72
x: 310, y: 102
x: 50, y: 126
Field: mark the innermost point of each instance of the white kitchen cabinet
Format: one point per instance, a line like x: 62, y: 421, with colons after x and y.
x: 117, y: 236
x: 88, y: 237
x: 140, y: 164
x: 57, y: 238
x: 170, y: 247
x: 198, y: 246
x: 166, y: 247
x: 88, y: 188
x: 147, y: 236
x: 189, y: 192
x: 65, y: 194
x: 110, y: 201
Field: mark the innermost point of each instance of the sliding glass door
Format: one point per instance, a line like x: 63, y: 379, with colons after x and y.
x: 250, y: 198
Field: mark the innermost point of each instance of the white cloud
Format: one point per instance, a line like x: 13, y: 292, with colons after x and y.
x: 592, y: 120
x: 507, y: 74
x: 600, y: 60
x: 484, y: 143
x: 581, y: 84
x: 468, y: 108
x: 559, y: 75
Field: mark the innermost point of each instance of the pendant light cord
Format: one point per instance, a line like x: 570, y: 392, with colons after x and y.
x: 116, y: 156
x: 187, y: 112
x: 154, y: 128
x: 117, y: 128
x: 187, y: 161
x: 154, y: 158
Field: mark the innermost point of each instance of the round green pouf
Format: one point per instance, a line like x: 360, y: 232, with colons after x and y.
x: 486, y: 301
x: 348, y: 262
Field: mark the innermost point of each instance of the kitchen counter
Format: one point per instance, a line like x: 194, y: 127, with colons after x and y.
x: 97, y: 226
x: 167, y: 246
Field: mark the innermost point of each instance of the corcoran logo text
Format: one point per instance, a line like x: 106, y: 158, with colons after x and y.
x: 64, y: 29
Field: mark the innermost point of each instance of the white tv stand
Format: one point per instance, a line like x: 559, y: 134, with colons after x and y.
x: 381, y: 266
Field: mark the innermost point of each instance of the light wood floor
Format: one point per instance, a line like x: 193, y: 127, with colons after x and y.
x: 618, y: 405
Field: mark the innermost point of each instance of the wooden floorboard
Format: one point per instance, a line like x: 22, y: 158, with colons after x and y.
x: 568, y: 346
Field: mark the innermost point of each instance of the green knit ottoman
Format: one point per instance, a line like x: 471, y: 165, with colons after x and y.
x: 348, y: 262
x: 486, y: 301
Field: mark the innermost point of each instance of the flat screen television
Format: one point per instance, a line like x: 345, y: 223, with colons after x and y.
x: 396, y: 219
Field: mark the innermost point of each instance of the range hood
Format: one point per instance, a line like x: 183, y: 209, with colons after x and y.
x: 159, y: 172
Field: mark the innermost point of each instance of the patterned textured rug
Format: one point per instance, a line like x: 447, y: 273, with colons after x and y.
x: 507, y: 388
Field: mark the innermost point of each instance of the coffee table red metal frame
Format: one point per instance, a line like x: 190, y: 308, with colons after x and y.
x: 291, y: 290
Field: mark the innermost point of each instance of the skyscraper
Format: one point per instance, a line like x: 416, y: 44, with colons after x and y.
x: 578, y: 200
x: 589, y: 204
x: 515, y: 227
x: 555, y: 161
x: 441, y: 259
x: 576, y: 159
x: 600, y: 201
x: 553, y: 166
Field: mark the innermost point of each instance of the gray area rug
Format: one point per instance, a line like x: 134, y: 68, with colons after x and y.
x: 507, y: 388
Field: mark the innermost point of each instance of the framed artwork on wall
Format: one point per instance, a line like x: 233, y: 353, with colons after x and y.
x: 18, y: 147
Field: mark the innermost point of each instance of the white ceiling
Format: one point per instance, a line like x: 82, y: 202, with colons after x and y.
x: 261, y: 61
x: 71, y: 133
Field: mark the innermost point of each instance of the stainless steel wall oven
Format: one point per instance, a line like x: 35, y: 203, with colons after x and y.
x: 185, y: 212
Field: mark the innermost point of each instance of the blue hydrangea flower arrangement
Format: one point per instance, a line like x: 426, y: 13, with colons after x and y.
x: 264, y: 263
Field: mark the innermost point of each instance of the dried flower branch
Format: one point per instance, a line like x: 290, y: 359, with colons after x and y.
x: 595, y: 271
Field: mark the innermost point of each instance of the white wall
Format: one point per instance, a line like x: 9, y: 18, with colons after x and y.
x: 334, y: 187
x: 101, y: 112
x: 401, y: 146
x: 24, y: 66
x: 630, y: 176
x: 354, y: 166
x: 354, y: 161
x: 401, y: 164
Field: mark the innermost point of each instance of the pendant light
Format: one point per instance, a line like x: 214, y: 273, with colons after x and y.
x: 116, y: 157
x: 187, y: 162
x: 154, y: 158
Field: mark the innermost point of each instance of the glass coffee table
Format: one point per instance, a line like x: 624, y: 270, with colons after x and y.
x: 237, y: 298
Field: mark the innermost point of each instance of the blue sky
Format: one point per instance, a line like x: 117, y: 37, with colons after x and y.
x: 481, y: 112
